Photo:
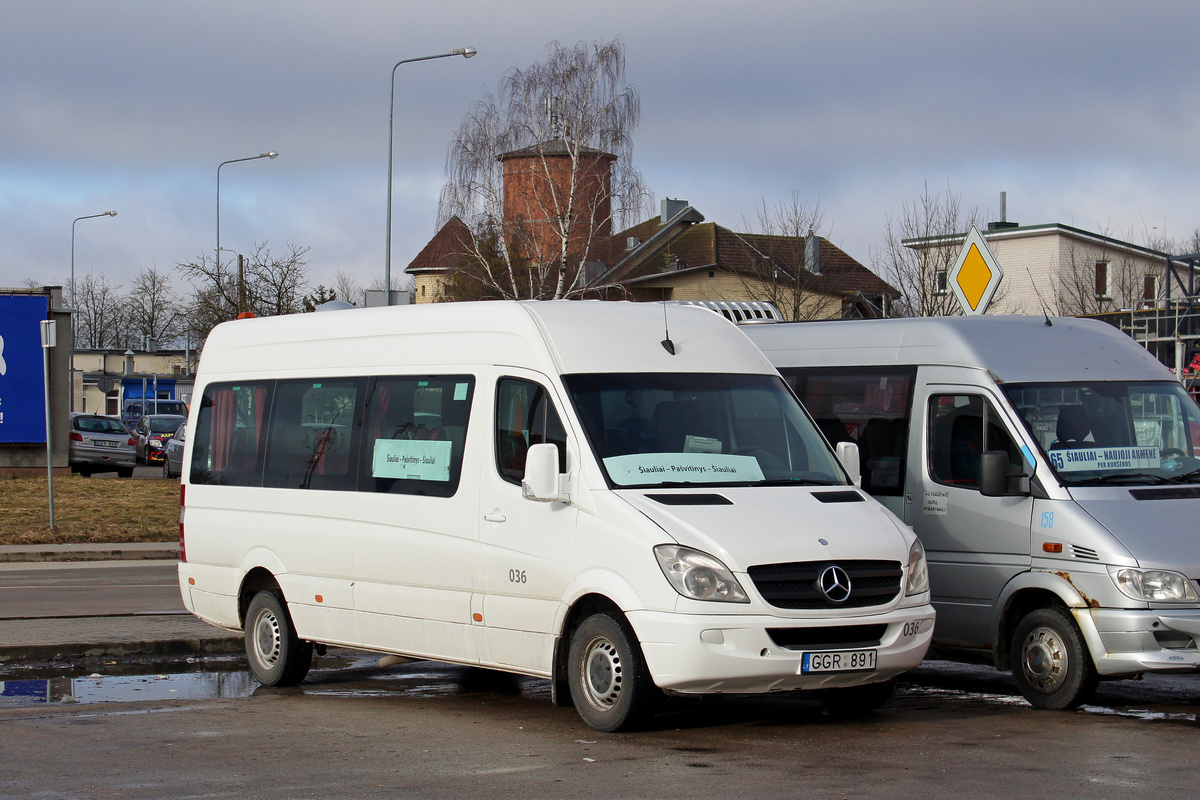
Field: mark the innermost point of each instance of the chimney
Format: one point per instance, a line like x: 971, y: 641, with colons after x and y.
x: 671, y: 209
x: 1003, y: 224
x: 812, y: 253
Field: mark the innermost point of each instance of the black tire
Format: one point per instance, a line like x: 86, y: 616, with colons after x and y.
x: 124, y: 472
x: 167, y: 469
x: 610, y: 685
x: 1050, y: 661
x: 277, y: 657
x: 85, y: 471
x: 856, y: 701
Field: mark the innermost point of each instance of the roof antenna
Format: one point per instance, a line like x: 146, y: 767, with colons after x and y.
x: 667, y: 344
x: 1042, y: 302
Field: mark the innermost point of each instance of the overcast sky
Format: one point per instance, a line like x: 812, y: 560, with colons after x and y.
x: 1087, y: 114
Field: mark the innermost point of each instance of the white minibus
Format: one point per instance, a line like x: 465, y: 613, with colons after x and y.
x: 1051, y: 467
x: 622, y: 498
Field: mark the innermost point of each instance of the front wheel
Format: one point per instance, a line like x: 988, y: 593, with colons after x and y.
x: 277, y: 657
x: 610, y: 685
x: 1051, y: 662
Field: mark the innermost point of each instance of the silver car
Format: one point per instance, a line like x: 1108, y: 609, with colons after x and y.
x: 100, y: 444
x: 173, y: 453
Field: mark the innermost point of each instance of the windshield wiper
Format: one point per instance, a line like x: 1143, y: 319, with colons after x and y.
x: 1125, y: 478
x: 1187, y: 477
x: 794, y: 482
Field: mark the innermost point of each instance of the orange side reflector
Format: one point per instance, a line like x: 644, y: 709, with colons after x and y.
x: 477, y: 617
x: 320, y: 599
x: 1052, y: 547
x: 191, y: 581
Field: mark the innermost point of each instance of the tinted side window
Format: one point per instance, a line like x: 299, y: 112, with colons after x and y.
x: 525, y: 416
x: 231, y: 433
x: 961, y: 428
x: 415, y: 430
x: 870, y: 406
x: 313, y: 436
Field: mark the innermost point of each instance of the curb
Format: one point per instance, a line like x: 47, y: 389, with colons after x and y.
x: 129, y: 551
x: 197, y: 646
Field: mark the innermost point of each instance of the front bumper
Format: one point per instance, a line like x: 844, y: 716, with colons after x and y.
x: 1125, y: 642
x: 731, y: 653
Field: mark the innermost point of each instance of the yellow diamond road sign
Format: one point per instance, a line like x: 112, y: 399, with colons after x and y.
x: 975, y: 275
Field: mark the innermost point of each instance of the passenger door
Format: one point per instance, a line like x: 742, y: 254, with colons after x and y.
x: 974, y: 544
x: 525, y: 544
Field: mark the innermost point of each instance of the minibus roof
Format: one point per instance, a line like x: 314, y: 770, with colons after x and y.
x: 1015, y: 349
x: 550, y: 336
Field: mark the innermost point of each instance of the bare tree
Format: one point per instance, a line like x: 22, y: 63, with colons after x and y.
x: 347, y: 287
x: 100, y: 320
x: 152, y: 308
x: 1093, y: 279
x: 921, y: 273
x: 780, y: 247
x: 267, y: 286
x: 570, y: 119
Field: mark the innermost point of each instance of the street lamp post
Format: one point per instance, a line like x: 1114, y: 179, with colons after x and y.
x: 270, y: 154
x: 75, y: 298
x: 465, y: 52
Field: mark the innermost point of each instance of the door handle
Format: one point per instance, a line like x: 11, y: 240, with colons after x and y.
x: 495, y: 516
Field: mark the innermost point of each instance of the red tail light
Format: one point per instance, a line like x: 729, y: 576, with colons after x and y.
x: 131, y: 442
x: 182, y: 549
x: 76, y: 437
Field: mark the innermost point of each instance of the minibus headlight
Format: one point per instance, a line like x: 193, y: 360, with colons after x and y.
x: 699, y: 576
x: 1153, y: 585
x: 918, y: 570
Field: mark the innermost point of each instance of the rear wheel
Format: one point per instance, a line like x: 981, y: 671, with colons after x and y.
x: 167, y: 468
x: 124, y: 472
x: 610, y: 685
x: 1051, y: 662
x: 277, y: 657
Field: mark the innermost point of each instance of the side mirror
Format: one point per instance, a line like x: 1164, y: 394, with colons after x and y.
x: 541, y: 474
x: 994, y: 475
x: 847, y: 453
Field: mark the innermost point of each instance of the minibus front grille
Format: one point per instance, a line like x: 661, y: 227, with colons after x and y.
x: 691, y: 499
x: 835, y: 638
x: 796, y: 586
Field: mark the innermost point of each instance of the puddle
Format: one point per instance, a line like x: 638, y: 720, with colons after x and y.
x: 346, y: 674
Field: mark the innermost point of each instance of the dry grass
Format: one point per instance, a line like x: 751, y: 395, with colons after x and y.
x: 101, y: 510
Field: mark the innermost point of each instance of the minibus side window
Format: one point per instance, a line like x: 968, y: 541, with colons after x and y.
x: 961, y: 428
x: 230, y: 433
x: 870, y: 406
x: 525, y: 416
x: 313, y: 436
x: 414, y: 432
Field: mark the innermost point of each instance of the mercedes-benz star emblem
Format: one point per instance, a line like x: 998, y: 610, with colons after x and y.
x: 834, y: 583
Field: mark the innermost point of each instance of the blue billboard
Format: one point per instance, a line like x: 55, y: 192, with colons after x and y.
x: 22, y: 388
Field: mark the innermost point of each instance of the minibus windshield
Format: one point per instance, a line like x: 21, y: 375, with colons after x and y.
x: 698, y: 429
x: 1113, y: 432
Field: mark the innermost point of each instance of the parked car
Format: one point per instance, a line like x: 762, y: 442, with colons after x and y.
x: 173, y: 453
x: 150, y: 432
x: 133, y: 410
x: 100, y: 444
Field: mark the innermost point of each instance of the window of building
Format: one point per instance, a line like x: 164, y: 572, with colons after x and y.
x: 1150, y: 288
x: 1102, y: 280
x: 939, y: 283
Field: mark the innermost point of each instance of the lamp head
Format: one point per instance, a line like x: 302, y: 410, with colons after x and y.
x: 271, y: 154
x: 111, y: 213
x: 465, y: 52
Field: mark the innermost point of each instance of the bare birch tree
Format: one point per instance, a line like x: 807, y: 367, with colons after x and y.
x: 921, y: 273
x: 571, y: 117
x: 100, y: 310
